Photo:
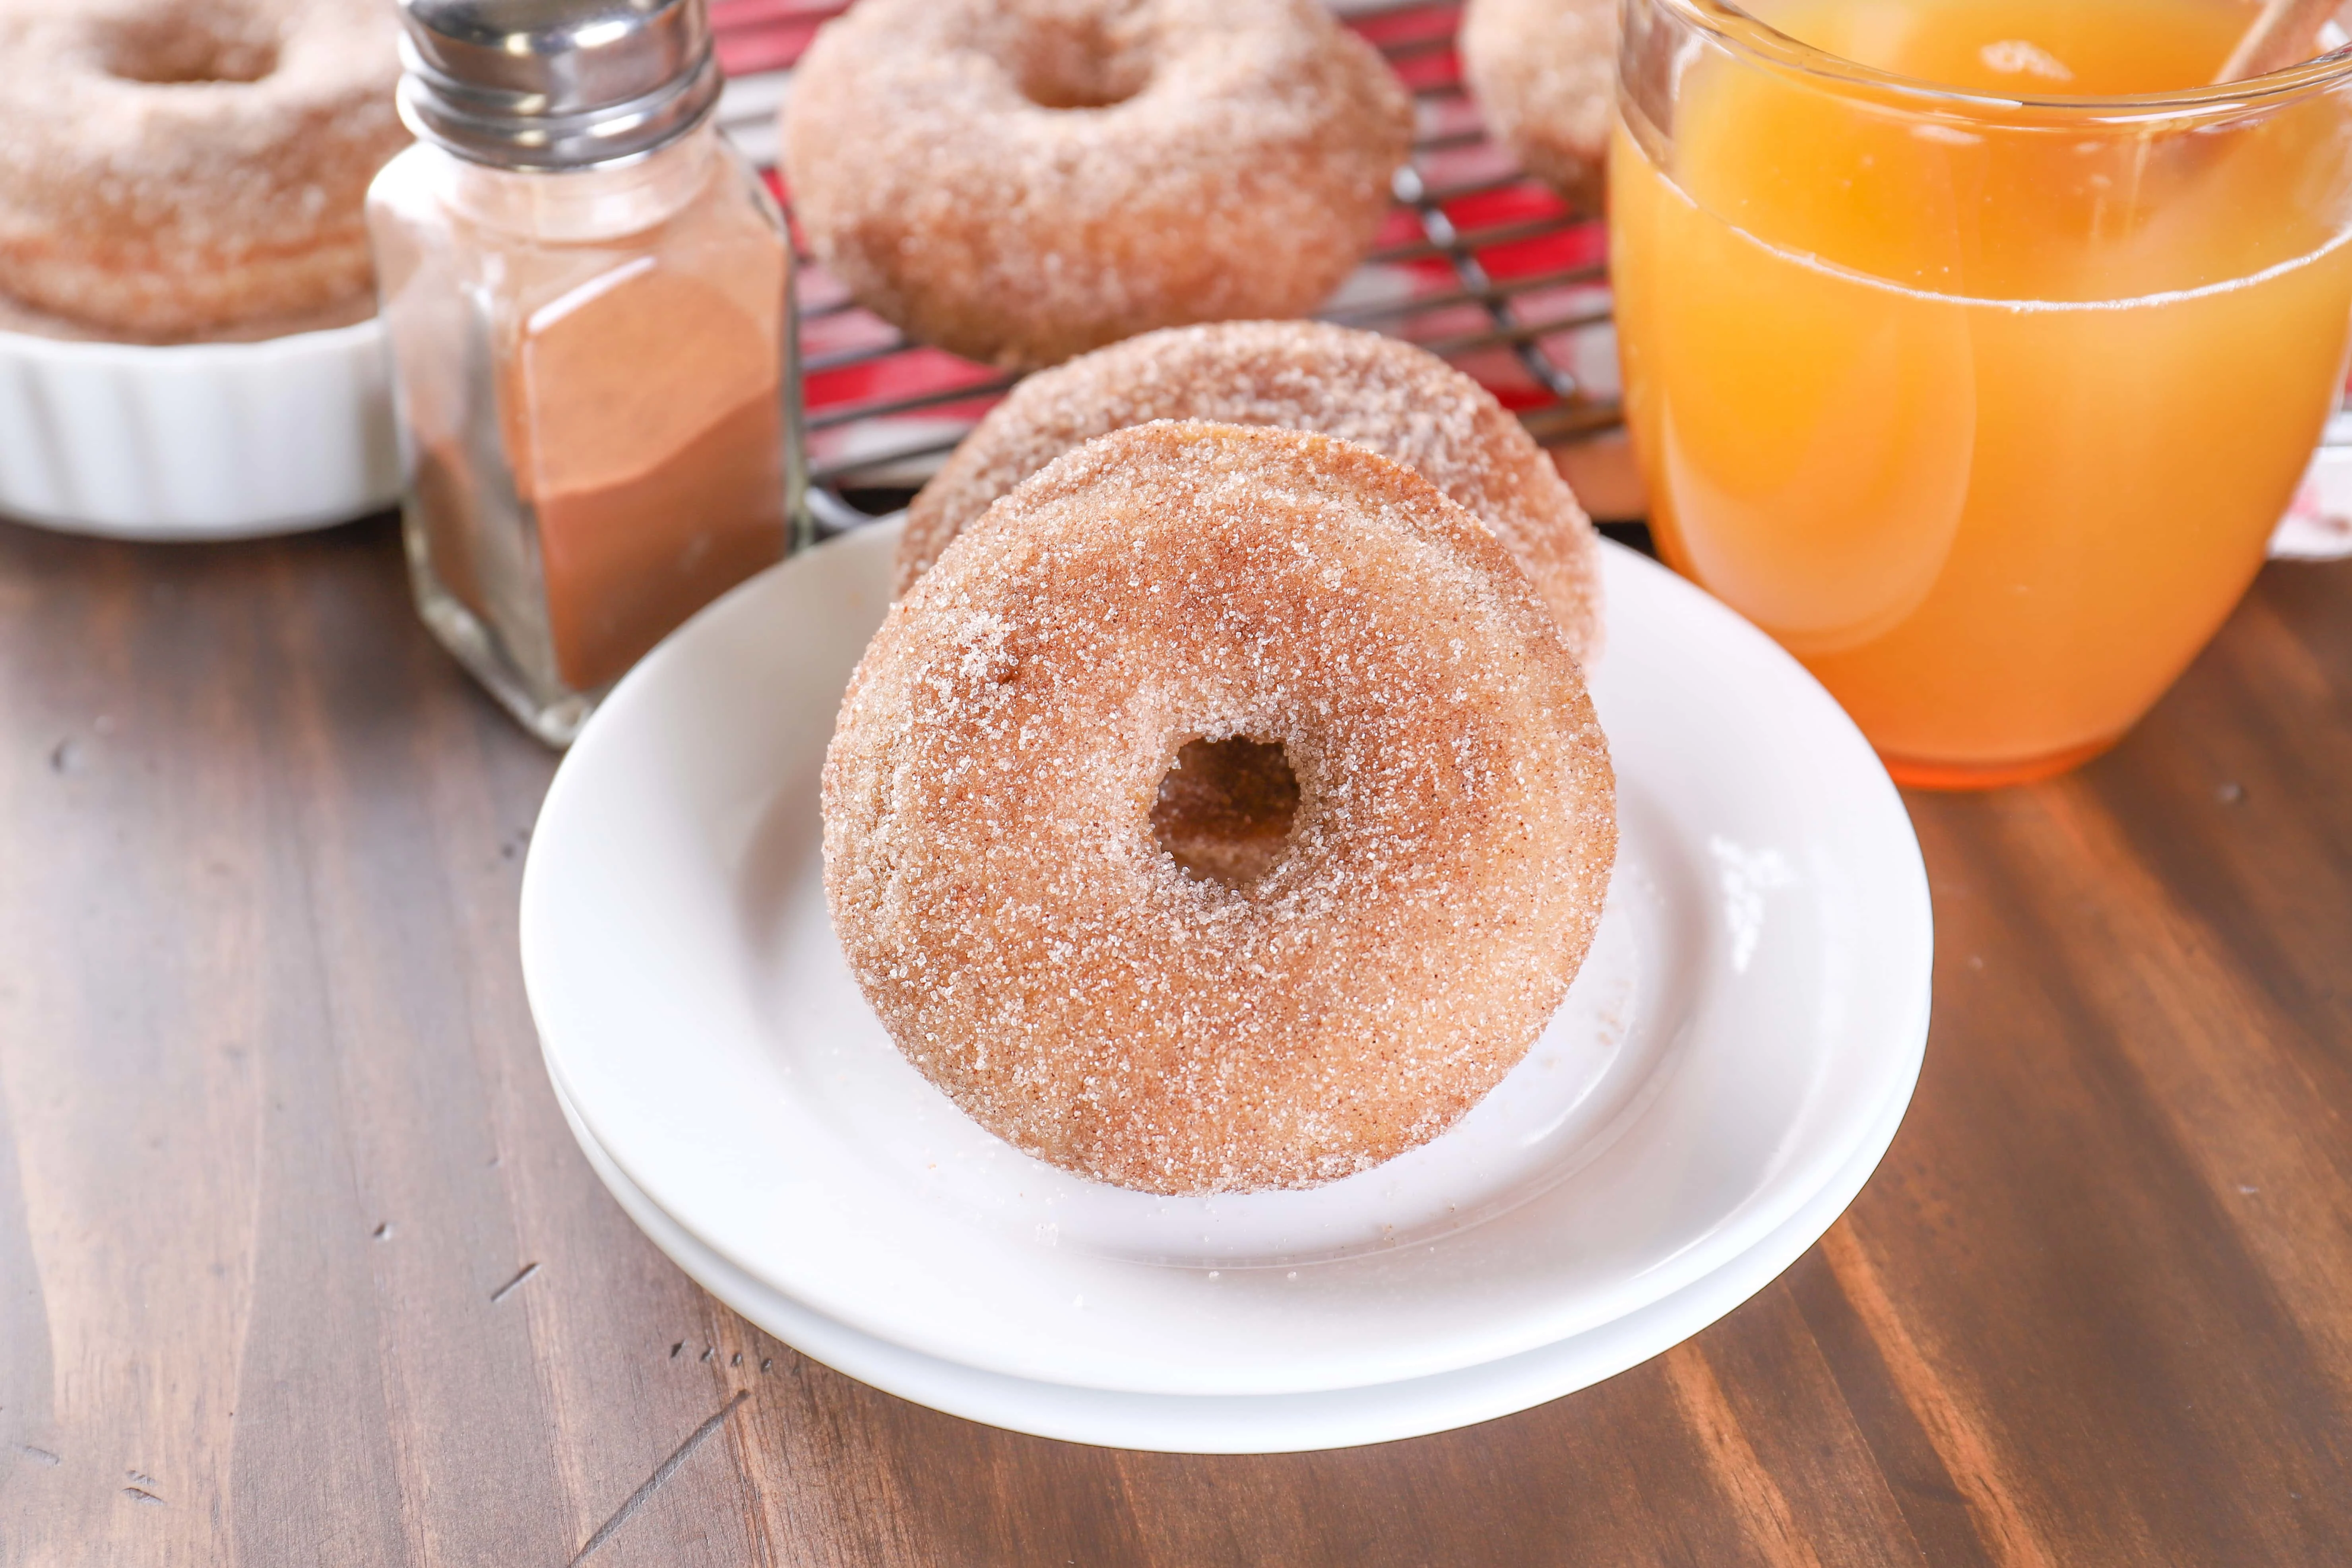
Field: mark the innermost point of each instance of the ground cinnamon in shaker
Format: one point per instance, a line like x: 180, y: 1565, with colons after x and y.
x: 654, y: 493
x: 587, y: 293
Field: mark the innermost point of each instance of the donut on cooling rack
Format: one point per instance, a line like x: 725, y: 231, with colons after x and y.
x: 170, y: 167
x: 1402, y: 401
x: 1545, y: 75
x: 1222, y: 811
x: 1018, y: 180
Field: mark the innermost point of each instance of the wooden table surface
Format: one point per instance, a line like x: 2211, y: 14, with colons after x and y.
x: 298, y: 1264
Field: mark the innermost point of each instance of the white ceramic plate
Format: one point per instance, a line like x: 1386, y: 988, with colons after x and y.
x: 1264, y: 1423
x: 199, y: 440
x: 1757, y: 993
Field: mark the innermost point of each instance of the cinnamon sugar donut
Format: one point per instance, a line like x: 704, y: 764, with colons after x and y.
x: 1019, y: 181
x: 1545, y: 75
x: 170, y: 167
x: 1402, y: 402
x: 1020, y: 892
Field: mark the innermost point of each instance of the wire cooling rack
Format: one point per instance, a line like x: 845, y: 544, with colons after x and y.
x: 1476, y: 263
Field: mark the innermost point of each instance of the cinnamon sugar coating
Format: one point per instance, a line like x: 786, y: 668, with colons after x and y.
x: 990, y: 859
x: 1018, y: 180
x: 1402, y: 401
x: 1545, y: 75
x: 172, y: 166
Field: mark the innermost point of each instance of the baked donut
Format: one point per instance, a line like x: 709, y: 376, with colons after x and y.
x: 170, y: 167
x: 1019, y: 181
x: 1294, y: 615
x: 1545, y: 75
x: 1402, y: 402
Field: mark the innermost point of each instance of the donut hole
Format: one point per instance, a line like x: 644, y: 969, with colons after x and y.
x: 1226, y: 808
x: 1077, y: 63
x: 180, y: 47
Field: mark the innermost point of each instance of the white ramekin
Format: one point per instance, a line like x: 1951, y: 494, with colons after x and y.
x: 197, y: 441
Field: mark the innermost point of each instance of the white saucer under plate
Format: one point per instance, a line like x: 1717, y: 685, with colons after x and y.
x: 1257, y: 1424
x: 1758, y: 996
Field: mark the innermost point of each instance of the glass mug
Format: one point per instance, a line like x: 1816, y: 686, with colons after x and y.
x: 1983, y: 401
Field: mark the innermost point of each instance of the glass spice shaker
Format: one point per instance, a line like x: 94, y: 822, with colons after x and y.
x: 588, y: 295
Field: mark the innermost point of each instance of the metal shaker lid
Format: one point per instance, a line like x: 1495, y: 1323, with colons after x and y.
x: 555, y: 84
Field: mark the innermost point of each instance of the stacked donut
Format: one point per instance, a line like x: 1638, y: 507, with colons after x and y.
x: 1220, y: 807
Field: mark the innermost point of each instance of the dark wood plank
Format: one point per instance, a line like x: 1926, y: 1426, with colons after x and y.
x: 298, y: 1262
